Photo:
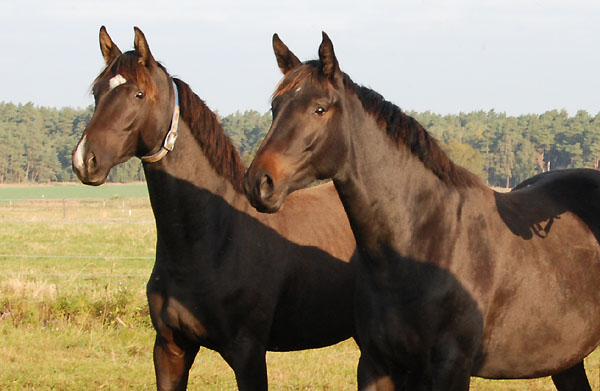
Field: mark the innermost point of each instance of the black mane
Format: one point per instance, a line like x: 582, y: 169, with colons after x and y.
x: 406, y: 130
x: 208, y: 131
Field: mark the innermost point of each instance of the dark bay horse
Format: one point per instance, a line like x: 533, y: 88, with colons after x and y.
x: 454, y: 280
x: 225, y: 277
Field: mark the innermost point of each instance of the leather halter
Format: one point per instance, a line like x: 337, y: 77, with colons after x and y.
x: 171, y: 136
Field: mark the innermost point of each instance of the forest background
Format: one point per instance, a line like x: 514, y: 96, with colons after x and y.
x: 504, y: 150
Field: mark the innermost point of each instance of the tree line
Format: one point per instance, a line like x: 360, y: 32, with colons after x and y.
x: 504, y: 150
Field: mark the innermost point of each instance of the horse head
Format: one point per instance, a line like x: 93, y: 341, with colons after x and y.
x: 134, y: 102
x: 305, y: 141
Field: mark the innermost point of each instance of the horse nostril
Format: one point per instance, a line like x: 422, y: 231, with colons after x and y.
x: 266, y: 187
x: 91, y: 160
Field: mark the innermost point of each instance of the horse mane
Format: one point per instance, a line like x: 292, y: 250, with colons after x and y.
x: 406, y: 130
x: 222, y: 155
x: 402, y: 128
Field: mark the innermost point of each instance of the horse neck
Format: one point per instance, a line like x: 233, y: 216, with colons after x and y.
x: 187, y: 194
x: 393, y: 201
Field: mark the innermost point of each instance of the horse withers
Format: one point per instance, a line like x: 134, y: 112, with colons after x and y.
x: 454, y: 280
x: 225, y: 277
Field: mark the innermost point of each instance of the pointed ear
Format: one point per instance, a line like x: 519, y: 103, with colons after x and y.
x: 109, y: 50
x: 285, y: 58
x: 141, y: 46
x: 331, y: 68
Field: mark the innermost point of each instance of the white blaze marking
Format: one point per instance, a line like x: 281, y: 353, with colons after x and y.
x: 116, y: 81
x: 78, y: 156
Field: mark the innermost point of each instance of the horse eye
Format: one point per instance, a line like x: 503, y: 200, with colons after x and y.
x: 139, y: 95
x: 320, y: 110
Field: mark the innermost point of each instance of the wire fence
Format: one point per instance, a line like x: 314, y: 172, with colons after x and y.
x: 76, y: 210
x: 66, y: 208
x: 62, y: 218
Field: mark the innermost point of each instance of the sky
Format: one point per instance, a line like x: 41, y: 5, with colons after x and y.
x: 513, y: 56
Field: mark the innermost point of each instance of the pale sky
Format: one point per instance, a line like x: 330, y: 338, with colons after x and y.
x: 514, y: 56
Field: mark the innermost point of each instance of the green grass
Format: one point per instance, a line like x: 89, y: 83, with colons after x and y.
x: 121, y: 359
x: 72, y: 191
x: 73, y: 311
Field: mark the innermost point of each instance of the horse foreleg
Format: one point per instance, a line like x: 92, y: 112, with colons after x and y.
x: 572, y: 379
x: 172, y: 363
x: 247, y: 359
x: 451, y: 367
x: 457, y: 379
x: 370, y: 378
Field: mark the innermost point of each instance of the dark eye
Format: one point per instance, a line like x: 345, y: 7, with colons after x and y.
x: 320, y: 110
x: 139, y: 95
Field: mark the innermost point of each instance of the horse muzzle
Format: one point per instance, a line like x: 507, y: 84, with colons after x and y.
x: 261, y: 193
x: 85, y: 164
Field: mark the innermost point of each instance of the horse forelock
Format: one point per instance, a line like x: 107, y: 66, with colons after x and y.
x: 294, y: 79
x: 129, y: 67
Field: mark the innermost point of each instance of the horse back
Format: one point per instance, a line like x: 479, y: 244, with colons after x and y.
x: 548, y: 195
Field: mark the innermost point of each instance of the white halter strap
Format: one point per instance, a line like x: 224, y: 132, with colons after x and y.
x: 171, y: 136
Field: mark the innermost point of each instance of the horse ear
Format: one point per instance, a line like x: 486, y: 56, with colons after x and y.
x: 285, y: 58
x: 331, y: 68
x: 141, y: 46
x: 109, y: 50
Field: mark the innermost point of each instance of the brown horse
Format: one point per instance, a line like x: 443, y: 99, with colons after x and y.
x: 454, y: 280
x: 225, y: 276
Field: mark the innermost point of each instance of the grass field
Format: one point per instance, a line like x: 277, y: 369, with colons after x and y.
x: 72, y: 191
x: 73, y: 312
